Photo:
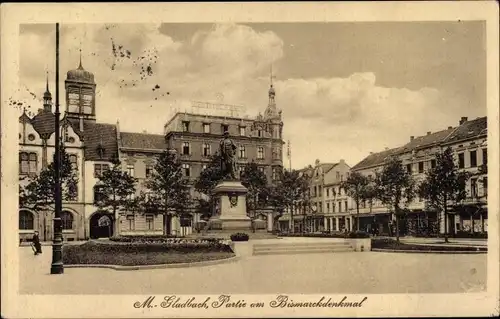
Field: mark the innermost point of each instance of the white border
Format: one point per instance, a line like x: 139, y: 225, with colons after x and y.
x: 78, y: 306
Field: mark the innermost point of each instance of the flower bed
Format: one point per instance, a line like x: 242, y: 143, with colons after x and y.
x: 355, y: 234
x: 142, y: 253
x: 392, y: 244
x: 166, y: 240
x: 239, y: 237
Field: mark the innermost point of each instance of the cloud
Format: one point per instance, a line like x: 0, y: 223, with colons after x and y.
x: 327, y: 118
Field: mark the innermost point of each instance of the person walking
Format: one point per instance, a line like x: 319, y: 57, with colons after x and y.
x: 36, y: 244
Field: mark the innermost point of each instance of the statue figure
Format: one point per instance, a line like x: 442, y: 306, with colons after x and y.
x: 228, y: 157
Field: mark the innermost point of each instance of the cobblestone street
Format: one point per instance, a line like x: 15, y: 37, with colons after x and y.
x: 368, y: 272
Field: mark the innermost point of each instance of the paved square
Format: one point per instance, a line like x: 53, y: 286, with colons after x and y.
x: 367, y: 272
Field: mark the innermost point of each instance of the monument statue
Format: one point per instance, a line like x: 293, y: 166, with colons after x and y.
x: 228, y: 157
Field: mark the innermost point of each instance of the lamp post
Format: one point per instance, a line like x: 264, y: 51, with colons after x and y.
x: 57, y: 261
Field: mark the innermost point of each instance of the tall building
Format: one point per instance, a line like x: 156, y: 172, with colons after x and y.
x: 93, y: 146
x: 329, y: 204
x: 468, y: 141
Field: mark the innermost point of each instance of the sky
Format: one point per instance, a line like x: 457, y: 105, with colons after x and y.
x: 345, y: 89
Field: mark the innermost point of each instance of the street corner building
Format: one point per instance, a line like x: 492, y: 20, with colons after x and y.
x: 93, y: 146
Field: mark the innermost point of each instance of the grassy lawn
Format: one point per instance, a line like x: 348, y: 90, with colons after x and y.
x: 94, y: 253
x: 392, y: 244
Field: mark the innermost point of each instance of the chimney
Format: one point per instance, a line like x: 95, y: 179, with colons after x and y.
x: 463, y: 120
x: 386, y: 148
x: 342, y: 161
x: 429, y: 133
x: 371, y: 153
x: 412, y: 138
x: 450, y: 127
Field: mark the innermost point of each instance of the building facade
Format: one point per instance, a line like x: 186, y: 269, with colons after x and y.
x: 468, y: 141
x: 93, y: 147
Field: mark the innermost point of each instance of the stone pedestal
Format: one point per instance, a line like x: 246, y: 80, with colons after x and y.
x: 231, y: 207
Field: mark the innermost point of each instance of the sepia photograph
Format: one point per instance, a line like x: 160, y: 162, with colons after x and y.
x: 207, y: 165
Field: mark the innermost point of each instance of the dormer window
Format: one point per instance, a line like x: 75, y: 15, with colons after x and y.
x: 225, y: 128
x: 100, y: 151
x: 185, y: 126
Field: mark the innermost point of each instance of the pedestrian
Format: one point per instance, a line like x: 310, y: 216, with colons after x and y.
x: 36, y: 244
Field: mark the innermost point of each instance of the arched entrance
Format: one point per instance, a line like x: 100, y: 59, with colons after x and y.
x: 101, y: 225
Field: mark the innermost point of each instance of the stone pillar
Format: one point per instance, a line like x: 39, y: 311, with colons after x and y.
x: 337, y: 224
x: 326, y: 223
x: 482, y: 221
x: 175, y: 225
x: 471, y: 224
x: 270, y: 222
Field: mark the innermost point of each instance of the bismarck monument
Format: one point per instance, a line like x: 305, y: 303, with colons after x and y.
x: 230, y: 194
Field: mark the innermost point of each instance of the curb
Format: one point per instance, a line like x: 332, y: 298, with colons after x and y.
x: 428, y: 251
x: 159, y: 266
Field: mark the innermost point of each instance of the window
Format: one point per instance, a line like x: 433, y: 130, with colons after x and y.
x: 73, y: 161
x: 185, y: 126
x: 26, y: 220
x: 485, y: 156
x: 98, y: 193
x: 473, y: 187
x: 420, y: 167
x: 333, y: 208
x: 338, y: 175
x: 241, y: 171
x: 131, y: 222
x: 485, y: 186
x: 327, y: 207
x: 185, y: 220
x: 130, y: 170
x: 345, y: 204
x: 261, y: 168
x: 150, y: 221
x: 225, y: 128
x: 408, y: 168
x: 31, y: 137
x: 461, y: 161
x: 275, y: 174
x: 149, y: 171
x: 242, y: 152
x: 206, y: 128
x: 433, y: 163
x: 327, y: 192
x: 24, y: 163
x: 242, y: 131
x: 206, y: 149
x: 260, y: 152
x: 473, y: 158
x: 340, y: 207
x: 186, y: 169
x: 99, y: 169
x: 341, y: 177
x: 67, y: 220
x: 185, y: 148
x: 28, y: 163
x: 259, y: 133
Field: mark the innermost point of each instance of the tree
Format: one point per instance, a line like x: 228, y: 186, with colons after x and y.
x: 168, y: 188
x: 39, y: 193
x: 256, y: 182
x: 395, y: 187
x: 116, y: 191
x: 356, y: 186
x: 292, y: 188
x: 442, y: 184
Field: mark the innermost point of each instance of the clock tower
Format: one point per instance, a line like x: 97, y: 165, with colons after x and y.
x: 80, y: 94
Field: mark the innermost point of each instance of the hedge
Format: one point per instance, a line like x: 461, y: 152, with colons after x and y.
x: 392, y: 244
x: 239, y: 237
x: 164, y: 239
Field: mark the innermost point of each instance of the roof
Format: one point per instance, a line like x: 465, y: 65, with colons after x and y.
x: 375, y: 159
x: 427, y: 140
x: 469, y: 129
x: 24, y: 118
x: 466, y: 130
x: 97, y: 135
x: 327, y: 166
x: 44, y: 122
x: 143, y: 141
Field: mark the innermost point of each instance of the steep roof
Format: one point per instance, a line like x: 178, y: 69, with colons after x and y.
x: 44, y: 122
x: 327, y: 166
x: 375, y: 159
x: 24, y: 118
x: 97, y: 136
x: 469, y: 129
x: 143, y: 141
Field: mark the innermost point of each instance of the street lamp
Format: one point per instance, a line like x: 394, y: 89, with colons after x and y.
x: 57, y: 259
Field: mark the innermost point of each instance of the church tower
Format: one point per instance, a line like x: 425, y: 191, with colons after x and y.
x: 80, y: 94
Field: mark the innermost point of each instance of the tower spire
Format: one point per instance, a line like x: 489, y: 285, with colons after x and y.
x: 47, y: 86
x: 47, y: 96
x: 80, y: 66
